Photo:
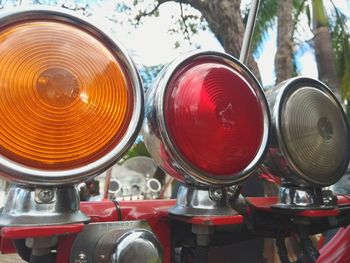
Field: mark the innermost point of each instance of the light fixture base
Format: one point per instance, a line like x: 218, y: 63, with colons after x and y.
x: 194, y: 201
x: 44, y: 206
x: 304, y: 198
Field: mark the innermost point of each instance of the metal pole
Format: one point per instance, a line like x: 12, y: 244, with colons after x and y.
x: 248, y: 34
x: 107, y: 183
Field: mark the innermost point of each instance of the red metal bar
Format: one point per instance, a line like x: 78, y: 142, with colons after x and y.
x: 266, y: 203
x: 337, y: 250
x: 39, y: 231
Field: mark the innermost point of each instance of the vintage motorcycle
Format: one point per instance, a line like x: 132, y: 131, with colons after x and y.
x: 71, y: 104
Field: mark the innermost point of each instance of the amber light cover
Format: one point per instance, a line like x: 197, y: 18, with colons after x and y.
x: 214, y: 118
x: 65, y: 99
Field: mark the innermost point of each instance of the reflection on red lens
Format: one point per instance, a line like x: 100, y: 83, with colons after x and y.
x: 214, y: 117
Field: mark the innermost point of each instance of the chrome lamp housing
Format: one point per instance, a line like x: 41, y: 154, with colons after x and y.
x: 310, y: 145
x: 207, y: 125
x: 76, y: 110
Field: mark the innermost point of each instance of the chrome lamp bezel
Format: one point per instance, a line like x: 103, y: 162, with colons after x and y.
x: 46, y: 197
x: 159, y: 142
x: 277, y: 98
x: 19, y: 173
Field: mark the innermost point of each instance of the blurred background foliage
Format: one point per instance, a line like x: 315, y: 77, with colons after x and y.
x: 326, y: 26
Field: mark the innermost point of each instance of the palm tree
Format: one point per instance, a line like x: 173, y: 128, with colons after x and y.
x: 284, y: 54
x: 331, y: 40
x: 341, y: 46
x: 324, y: 53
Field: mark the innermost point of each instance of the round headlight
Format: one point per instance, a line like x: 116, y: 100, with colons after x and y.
x: 70, y: 98
x: 207, y: 121
x: 311, y: 141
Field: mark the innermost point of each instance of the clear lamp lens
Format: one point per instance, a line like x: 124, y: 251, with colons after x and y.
x: 315, y: 133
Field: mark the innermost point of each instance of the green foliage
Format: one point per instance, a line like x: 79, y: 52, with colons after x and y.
x: 266, y: 20
x: 301, y: 7
x: 138, y: 149
x: 341, y: 45
x: 338, y: 26
x: 319, y: 13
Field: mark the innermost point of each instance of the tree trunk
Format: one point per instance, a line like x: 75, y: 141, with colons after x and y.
x: 225, y: 20
x: 284, y: 54
x: 325, y: 57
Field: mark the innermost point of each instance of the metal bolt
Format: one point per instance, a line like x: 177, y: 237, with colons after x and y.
x: 328, y: 198
x: 216, y: 194
x: 233, y: 192
x: 46, y: 195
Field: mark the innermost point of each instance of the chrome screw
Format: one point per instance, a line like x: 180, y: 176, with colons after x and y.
x: 46, y: 195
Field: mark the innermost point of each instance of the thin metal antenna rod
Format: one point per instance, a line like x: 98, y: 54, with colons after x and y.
x: 248, y: 34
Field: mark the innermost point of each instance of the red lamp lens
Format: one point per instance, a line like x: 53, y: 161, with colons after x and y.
x: 213, y: 117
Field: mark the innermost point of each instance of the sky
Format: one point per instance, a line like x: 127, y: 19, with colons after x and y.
x: 306, y: 63
x: 151, y: 43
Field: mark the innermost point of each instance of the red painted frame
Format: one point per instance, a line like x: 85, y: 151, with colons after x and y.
x: 156, y: 214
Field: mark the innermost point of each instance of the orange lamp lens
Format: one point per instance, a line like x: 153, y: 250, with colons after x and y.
x: 65, y: 100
